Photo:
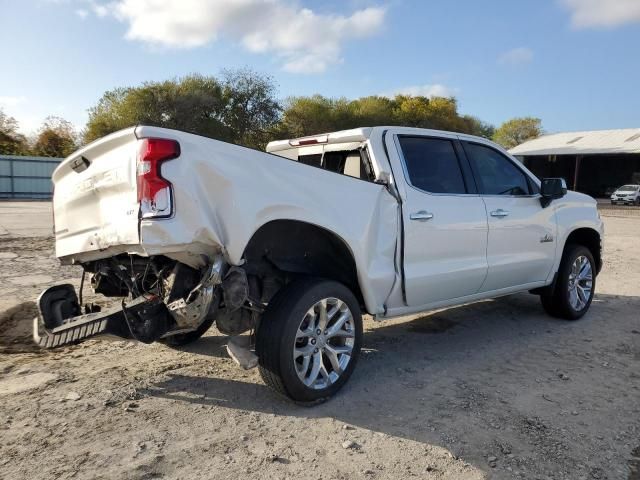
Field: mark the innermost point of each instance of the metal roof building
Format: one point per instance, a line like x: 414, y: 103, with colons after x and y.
x: 582, y: 143
x: 26, y: 177
x: 594, y: 162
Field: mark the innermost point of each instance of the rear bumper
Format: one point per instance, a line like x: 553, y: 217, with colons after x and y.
x: 146, y: 318
x: 60, y: 323
x: 80, y: 328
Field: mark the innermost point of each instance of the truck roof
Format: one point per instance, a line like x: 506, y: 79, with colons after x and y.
x: 354, y: 135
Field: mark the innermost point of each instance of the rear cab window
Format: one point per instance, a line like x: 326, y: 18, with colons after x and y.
x: 351, y: 162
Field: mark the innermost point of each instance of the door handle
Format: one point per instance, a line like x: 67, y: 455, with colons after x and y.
x: 499, y: 213
x: 421, y: 216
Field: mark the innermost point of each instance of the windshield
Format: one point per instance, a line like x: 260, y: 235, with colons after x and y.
x: 628, y: 188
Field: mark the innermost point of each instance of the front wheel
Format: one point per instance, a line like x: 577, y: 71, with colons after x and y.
x: 309, y: 340
x: 575, y: 285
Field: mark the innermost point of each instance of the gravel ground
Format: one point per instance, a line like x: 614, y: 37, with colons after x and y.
x: 491, y: 390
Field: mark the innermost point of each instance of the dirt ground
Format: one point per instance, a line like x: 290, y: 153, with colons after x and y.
x: 491, y: 390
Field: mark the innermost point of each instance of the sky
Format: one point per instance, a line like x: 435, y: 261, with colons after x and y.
x: 572, y: 63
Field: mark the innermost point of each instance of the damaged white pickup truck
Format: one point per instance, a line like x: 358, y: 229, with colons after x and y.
x: 291, y: 247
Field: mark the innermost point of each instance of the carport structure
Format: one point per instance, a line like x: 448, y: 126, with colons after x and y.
x: 593, y: 162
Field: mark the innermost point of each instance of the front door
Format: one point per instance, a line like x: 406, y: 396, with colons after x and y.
x: 445, y: 223
x: 522, y: 234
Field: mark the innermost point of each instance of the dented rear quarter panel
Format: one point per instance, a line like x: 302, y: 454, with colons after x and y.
x: 224, y: 193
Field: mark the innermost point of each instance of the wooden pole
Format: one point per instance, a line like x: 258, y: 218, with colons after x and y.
x: 576, y: 172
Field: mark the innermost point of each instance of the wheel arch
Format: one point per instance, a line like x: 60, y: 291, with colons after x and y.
x: 589, y: 238
x: 301, y: 248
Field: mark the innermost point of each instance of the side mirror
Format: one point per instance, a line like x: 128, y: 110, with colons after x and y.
x: 552, y: 189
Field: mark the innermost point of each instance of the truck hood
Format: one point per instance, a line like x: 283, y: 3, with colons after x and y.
x: 580, y: 198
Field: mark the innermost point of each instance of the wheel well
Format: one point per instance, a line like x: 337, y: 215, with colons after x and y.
x: 285, y: 249
x: 590, y: 238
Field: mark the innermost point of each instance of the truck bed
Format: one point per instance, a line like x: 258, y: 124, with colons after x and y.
x: 222, y: 195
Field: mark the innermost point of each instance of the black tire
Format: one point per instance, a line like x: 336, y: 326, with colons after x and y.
x: 557, y: 303
x: 276, y: 337
x: 180, y: 340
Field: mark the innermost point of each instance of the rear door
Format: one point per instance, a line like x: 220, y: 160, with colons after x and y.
x: 445, y: 221
x: 522, y: 235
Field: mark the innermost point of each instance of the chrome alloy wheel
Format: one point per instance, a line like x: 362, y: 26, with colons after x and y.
x: 580, y: 283
x: 324, y: 343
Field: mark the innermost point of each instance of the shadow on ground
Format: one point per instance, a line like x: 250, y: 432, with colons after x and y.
x: 461, y: 378
x: 16, y: 329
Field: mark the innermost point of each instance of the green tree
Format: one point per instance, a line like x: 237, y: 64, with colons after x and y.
x: 442, y: 114
x: 317, y: 114
x: 12, y: 142
x: 475, y: 126
x: 410, y: 111
x: 374, y: 110
x: 57, y: 138
x: 518, y: 130
x: 311, y: 115
x: 240, y: 108
x: 251, y: 110
x: 193, y: 104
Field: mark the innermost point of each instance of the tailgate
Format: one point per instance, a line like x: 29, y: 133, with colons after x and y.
x: 95, y: 202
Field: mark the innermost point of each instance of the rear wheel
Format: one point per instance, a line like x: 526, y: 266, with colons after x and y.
x: 309, y: 340
x: 575, y: 285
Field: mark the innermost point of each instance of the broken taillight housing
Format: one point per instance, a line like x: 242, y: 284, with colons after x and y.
x: 155, y: 193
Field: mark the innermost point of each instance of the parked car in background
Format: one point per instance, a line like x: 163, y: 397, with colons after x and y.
x: 296, y: 244
x: 626, y: 195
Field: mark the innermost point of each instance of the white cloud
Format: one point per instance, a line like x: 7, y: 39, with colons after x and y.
x: 11, y: 101
x: 429, y: 90
x: 100, y: 10
x: 82, y: 13
x: 305, y: 41
x: 516, y: 56
x: 603, y: 13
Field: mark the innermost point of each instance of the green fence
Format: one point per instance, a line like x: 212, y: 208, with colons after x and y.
x: 26, y: 177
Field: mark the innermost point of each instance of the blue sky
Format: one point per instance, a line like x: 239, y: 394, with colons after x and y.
x: 573, y: 63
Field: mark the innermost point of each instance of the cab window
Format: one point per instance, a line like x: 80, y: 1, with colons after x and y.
x: 495, y: 173
x: 432, y: 164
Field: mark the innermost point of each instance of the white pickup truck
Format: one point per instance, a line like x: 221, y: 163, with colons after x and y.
x: 294, y: 245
